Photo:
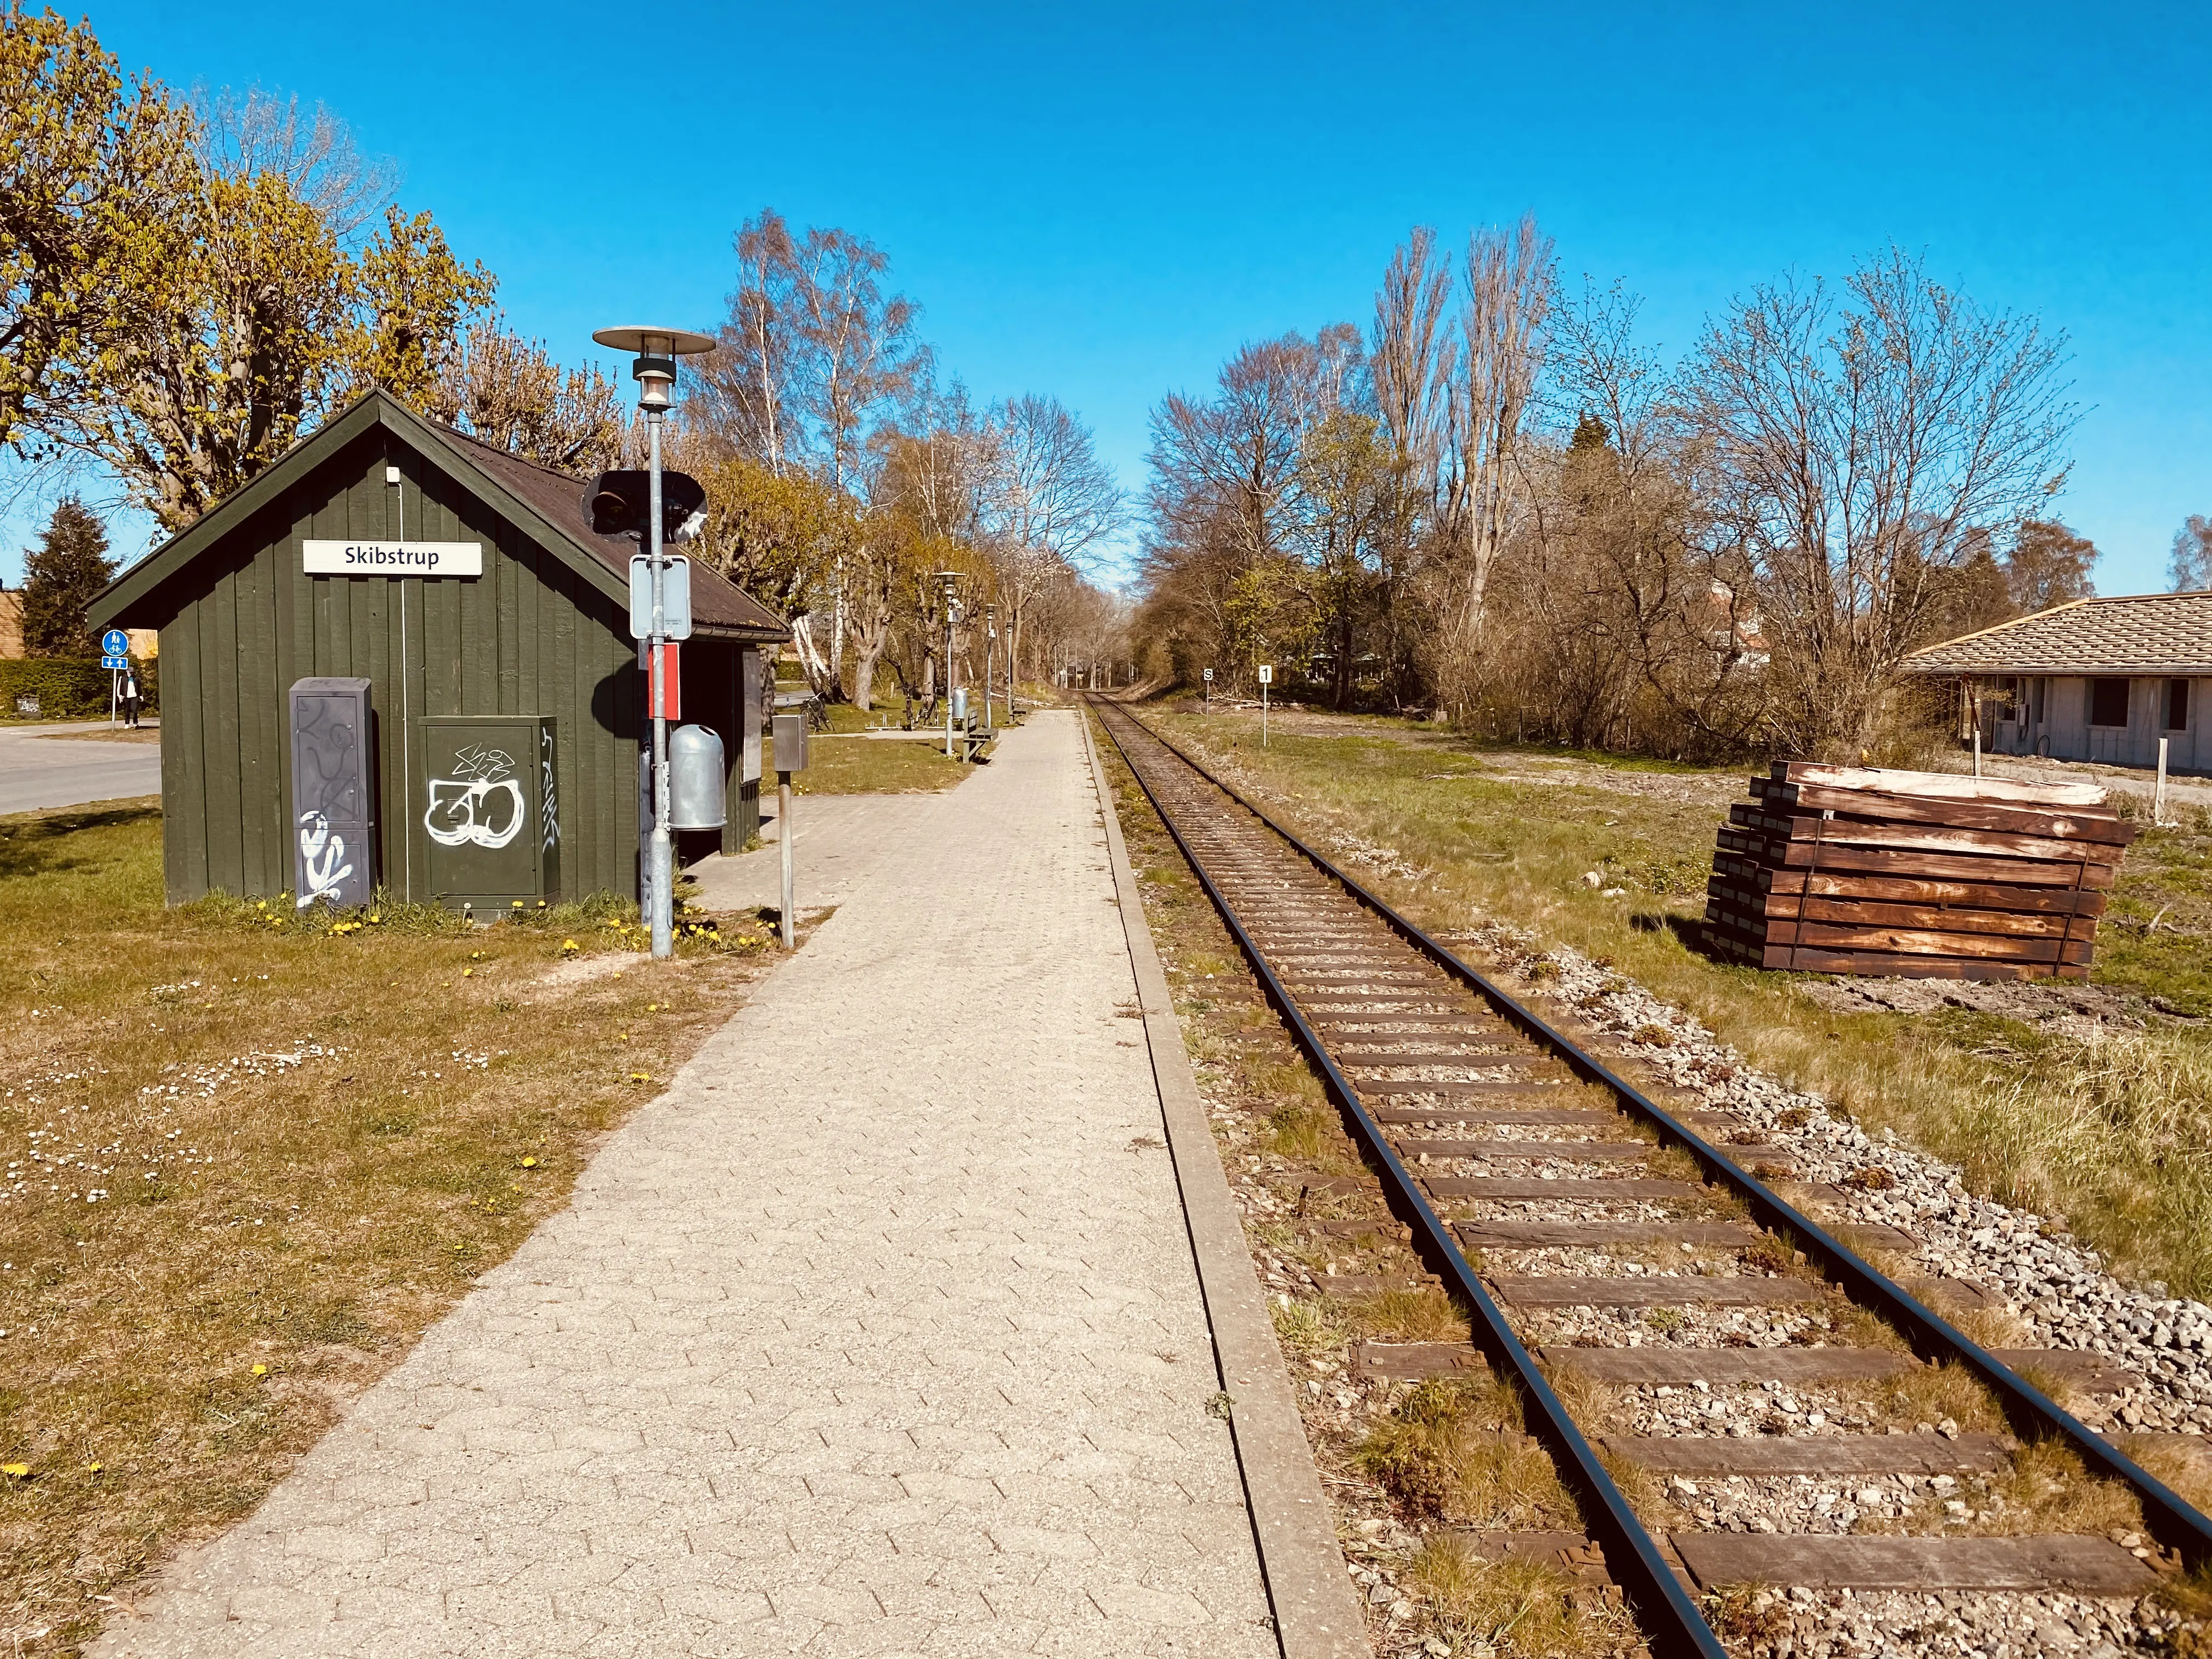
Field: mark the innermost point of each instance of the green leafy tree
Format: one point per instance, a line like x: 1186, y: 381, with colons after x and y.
x: 91, y: 166
x: 62, y: 577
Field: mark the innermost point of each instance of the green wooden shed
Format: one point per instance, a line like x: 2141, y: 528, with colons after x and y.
x: 326, y: 568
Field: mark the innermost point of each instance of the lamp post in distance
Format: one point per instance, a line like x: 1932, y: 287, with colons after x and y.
x: 655, y: 371
x: 950, y: 582
x: 788, y: 735
x: 990, y: 648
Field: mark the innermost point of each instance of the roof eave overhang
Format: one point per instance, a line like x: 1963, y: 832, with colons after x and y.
x: 119, y: 599
x: 2075, y: 670
x: 114, y: 604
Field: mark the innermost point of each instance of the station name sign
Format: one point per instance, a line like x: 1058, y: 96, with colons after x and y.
x: 393, y: 558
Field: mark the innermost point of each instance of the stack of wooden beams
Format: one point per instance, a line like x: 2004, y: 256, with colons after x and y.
x: 1857, y: 870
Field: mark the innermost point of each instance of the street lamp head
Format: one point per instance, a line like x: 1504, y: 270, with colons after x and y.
x: 657, y: 349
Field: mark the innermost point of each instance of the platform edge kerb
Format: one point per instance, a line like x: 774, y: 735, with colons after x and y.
x: 1293, y: 1527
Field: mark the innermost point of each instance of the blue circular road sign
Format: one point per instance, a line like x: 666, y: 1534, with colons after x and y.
x: 114, y: 643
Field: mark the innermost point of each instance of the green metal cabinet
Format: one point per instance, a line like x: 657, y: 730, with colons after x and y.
x: 488, y: 804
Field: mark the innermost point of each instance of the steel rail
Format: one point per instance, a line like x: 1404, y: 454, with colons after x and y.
x: 2033, y: 1414
x: 1670, y: 1617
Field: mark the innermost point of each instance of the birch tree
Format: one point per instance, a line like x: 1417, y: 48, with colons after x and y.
x: 1047, y: 500
x: 1509, y: 281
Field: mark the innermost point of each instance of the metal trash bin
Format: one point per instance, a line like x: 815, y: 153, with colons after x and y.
x: 698, y: 796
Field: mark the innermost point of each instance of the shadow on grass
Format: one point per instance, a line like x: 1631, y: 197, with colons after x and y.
x: 32, y: 843
x: 1689, y: 932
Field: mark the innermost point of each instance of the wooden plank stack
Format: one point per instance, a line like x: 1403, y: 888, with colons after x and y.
x: 1856, y: 870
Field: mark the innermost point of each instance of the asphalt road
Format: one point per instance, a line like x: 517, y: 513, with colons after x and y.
x: 44, y: 766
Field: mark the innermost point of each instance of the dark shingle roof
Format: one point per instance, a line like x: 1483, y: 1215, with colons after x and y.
x: 546, y: 505
x: 2133, y: 634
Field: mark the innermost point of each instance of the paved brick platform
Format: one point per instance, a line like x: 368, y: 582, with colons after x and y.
x: 877, y: 1335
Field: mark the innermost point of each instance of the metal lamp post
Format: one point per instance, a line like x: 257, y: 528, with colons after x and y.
x: 655, y: 371
x: 990, y: 648
x: 950, y: 580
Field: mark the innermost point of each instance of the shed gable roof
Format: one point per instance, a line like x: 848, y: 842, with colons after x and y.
x: 546, y: 505
x: 2130, y: 634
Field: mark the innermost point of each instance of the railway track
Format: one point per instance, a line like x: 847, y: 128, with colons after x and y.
x: 1549, y: 1196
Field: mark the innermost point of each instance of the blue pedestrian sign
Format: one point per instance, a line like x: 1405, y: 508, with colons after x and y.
x: 115, y: 643
x: 115, y: 662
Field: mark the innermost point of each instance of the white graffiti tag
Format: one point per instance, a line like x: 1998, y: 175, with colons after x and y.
x: 545, y: 761
x: 467, y: 809
x: 319, y: 852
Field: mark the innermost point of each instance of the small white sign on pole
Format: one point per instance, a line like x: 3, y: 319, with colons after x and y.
x: 675, y: 598
x: 1266, y: 673
x: 323, y: 558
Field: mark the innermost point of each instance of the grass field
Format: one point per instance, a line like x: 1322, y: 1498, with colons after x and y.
x: 2104, y: 1118
x: 841, y: 764
x: 248, y: 1159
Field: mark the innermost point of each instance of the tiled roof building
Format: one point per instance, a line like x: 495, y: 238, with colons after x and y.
x: 2102, y: 679
x: 2159, y: 634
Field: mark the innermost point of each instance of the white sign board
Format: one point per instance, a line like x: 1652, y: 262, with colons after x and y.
x: 1208, y: 673
x: 675, y: 598
x: 393, y: 558
x: 1266, y: 673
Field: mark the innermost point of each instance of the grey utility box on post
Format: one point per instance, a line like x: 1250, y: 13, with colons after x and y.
x: 790, y: 732
x: 698, y: 796
x: 333, y: 792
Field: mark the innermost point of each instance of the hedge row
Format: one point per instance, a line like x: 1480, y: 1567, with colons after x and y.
x: 65, y: 687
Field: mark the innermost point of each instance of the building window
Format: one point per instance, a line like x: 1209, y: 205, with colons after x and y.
x: 2176, y: 705
x: 2108, y: 702
x: 2042, y: 691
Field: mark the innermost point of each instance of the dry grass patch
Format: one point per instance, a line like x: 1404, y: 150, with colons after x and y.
x: 1933, y: 1394
x: 1452, y: 1450
x: 1306, y: 1327
x: 1523, y: 1609
x: 1410, y: 1315
x: 2045, y: 1489
x: 250, y: 1158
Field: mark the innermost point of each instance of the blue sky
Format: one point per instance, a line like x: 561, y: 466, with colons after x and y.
x: 1103, y: 202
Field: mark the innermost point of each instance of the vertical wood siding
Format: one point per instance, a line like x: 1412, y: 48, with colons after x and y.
x: 527, y: 637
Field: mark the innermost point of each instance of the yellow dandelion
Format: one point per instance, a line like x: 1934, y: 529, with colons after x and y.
x: 529, y: 1162
x: 15, y: 1471
x: 261, y: 1370
x: 93, y: 1468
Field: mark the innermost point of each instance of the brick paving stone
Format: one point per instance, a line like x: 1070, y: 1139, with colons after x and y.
x: 877, y: 1335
